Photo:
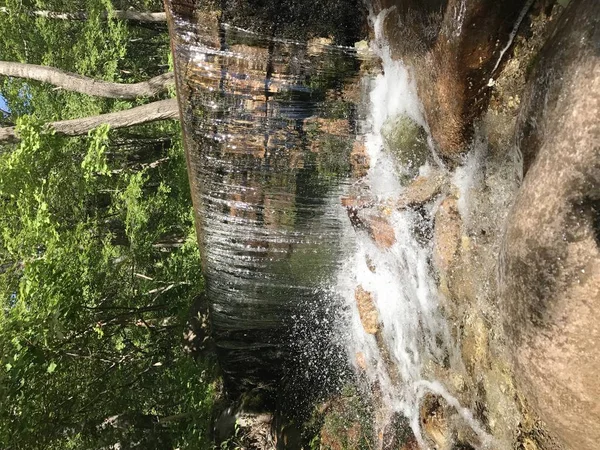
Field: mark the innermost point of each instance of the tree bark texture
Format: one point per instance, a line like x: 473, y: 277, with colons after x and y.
x: 160, y: 110
x: 77, y: 83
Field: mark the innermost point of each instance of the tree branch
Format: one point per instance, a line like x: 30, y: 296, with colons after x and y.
x: 84, y: 85
x: 160, y: 110
x: 134, y: 16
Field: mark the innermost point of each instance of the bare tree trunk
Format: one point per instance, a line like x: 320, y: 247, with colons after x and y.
x: 160, y: 110
x: 77, y: 83
x: 134, y: 16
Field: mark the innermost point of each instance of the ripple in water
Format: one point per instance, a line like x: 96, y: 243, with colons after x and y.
x: 269, y: 125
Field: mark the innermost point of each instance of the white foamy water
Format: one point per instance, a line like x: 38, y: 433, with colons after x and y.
x: 413, y: 329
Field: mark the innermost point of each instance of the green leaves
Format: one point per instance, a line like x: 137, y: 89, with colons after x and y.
x: 94, y: 162
x: 98, y: 258
x: 51, y: 367
x: 91, y: 313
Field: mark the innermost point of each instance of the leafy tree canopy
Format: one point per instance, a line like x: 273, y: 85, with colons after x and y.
x: 98, y: 259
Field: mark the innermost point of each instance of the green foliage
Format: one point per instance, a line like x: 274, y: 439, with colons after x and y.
x: 343, y: 422
x: 94, y: 300
x: 98, y: 258
x: 94, y: 162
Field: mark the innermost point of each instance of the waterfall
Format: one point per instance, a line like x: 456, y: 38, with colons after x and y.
x: 275, y: 135
x: 400, y: 279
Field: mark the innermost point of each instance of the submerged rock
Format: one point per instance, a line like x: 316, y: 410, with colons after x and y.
x: 406, y: 141
x: 550, y: 266
x: 359, y: 159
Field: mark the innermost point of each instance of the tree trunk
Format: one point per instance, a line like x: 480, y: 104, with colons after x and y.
x: 134, y: 16
x: 160, y: 110
x: 77, y: 83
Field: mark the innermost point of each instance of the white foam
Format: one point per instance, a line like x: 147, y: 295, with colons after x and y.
x: 414, y: 330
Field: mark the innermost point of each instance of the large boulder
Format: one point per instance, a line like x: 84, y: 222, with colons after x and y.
x: 550, y: 264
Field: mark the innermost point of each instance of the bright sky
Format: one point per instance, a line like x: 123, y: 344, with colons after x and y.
x: 3, y: 103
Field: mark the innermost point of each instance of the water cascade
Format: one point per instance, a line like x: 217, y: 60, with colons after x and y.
x: 398, y: 278
x: 269, y: 131
x: 269, y: 161
x: 345, y: 239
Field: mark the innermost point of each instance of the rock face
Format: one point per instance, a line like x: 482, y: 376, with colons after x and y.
x: 550, y: 267
x: 454, y: 46
x: 447, y: 234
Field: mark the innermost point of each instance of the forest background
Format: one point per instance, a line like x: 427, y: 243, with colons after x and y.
x: 99, y: 268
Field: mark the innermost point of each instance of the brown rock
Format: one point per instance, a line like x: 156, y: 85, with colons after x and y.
x: 369, y: 316
x: 422, y: 190
x: 381, y: 231
x: 447, y: 233
x: 361, y: 361
x: 434, y: 422
x: 336, y: 127
x: 550, y: 266
x: 357, y: 202
x: 359, y: 159
x: 374, y: 223
x: 454, y: 47
x: 410, y: 445
x: 317, y: 46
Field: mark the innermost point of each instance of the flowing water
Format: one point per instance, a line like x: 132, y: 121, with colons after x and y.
x: 269, y: 130
x: 400, y: 279
x: 272, y: 127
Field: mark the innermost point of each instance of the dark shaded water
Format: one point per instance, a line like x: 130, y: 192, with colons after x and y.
x: 269, y: 126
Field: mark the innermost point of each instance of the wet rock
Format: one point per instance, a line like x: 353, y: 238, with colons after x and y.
x: 317, y: 46
x: 359, y: 160
x: 475, y: 343
x: 380, y: 230
x: 371, y: 265
x: 367, y: 311
x: 454, y: 47
x: 361, y: 361
x: 254, y: 430
x: 375, y: 224
x: 358, y: 202
x: 550, y: 265
x: 446, y: 235
x: 422, y: 225
x: 434, y: 422
x: 422, y: 190
x: 410, y: 445
x: 406, y: 141
x: 396, y: 434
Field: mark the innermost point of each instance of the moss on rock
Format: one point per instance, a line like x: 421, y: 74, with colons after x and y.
x: 406, y: 142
